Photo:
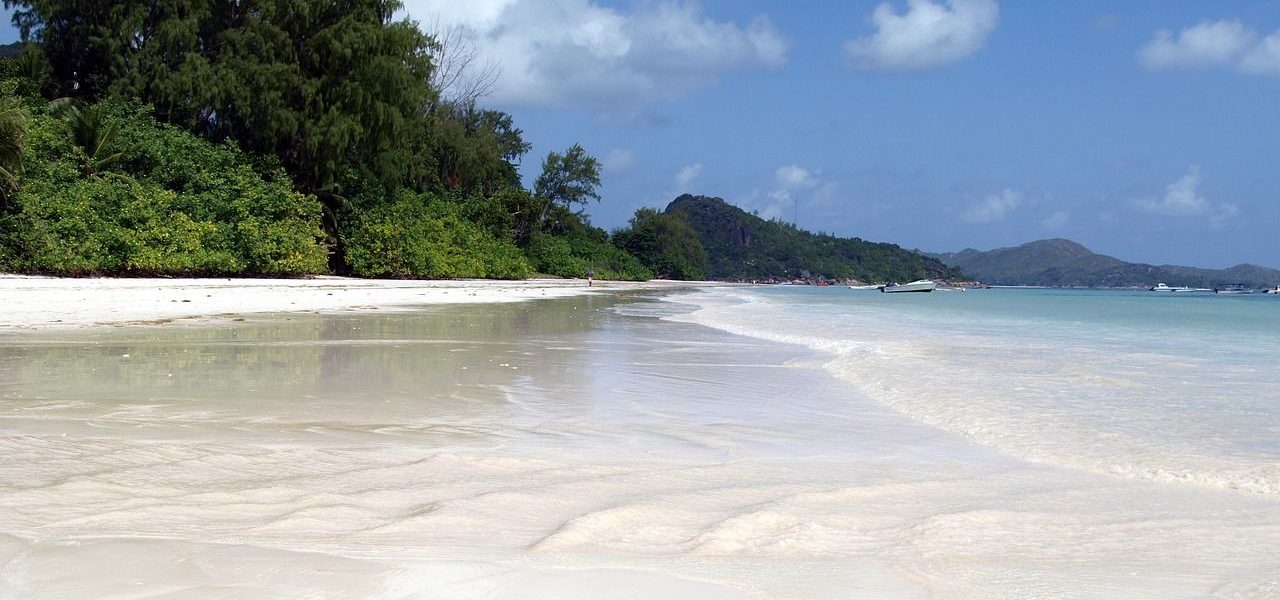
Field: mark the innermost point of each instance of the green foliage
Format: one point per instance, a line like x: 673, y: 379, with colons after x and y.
x: 77, y: 38
x: 475, y: 150
x: 91, y: 129
x: 20, y: 77
x: 171, y: 204
x: 567, y: 179
x: 426, y: 236
x: 507, y: 214
x: 13, y: 132
x: 665, y: 244
x: 97, y: 226
x: 325, y: 86
x: 570, y: 247
x: 330, y: 98
x: 741, y: 246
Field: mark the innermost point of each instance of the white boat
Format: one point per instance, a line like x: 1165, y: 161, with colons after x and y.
x: 1274, y: 290
x: 919, y: 285
x: 865, y: 287
x: 1161, y: 287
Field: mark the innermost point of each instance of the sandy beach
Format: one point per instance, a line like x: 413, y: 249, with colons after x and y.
x: 52, y: 302
x: 409, y: 440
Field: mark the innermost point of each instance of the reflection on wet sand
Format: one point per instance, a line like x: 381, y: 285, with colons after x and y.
x: 572, y: 448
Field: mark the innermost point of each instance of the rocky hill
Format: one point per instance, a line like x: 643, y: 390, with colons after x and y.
x: 1064, y: 263
x: 742, y: 246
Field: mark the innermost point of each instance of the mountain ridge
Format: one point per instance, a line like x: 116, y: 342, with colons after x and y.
x: 1059, y: 262
x: 742, y: 246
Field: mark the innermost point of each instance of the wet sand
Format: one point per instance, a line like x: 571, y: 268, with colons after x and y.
x: 579, y: 447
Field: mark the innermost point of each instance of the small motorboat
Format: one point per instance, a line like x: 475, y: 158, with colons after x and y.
x: 1161, y: 287
x: 1274, y: 290
x: 919, y: 285
x: 1234, y: 288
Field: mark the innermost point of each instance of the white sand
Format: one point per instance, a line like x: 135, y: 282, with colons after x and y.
x: 564, y: 451
x: 50, y: 302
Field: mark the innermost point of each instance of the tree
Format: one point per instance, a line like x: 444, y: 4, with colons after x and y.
x: 327, y: 86
x: 475, y: 150
x: 665, y: 244
x: 567, y: 179
x: 80, y: 39
x: 457, y: 76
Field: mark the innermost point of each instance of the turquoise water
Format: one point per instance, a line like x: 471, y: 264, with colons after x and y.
x: 1176, y: 388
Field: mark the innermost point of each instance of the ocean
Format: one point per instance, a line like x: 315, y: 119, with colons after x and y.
x: 732, y: 442
x: 1179, y: 388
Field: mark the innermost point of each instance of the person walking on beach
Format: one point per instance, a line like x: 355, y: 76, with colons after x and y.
x: 591, y: 273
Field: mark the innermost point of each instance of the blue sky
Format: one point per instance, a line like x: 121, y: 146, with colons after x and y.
x: 1144, y: 129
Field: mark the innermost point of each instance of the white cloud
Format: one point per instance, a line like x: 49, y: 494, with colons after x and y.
x: 1182, y: 199
x: 480, y: 12
x: 797, y: 192
x: 561, y: 52
x: 929, y: 34
x: 794, y: 176
x: 993, y: 208
x: 1263, y: 58
x: 686, y: 176
x: 781, y: 204
x: 1225, y: 213
x: 1056, y: 220
x: 1207, y: 44
x: 1228, y: 44
x: 619, y: 160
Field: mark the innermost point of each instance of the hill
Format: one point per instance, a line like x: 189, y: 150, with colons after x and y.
x: 742, y: 246
x: 10, y: 50
x: 1064, y: 263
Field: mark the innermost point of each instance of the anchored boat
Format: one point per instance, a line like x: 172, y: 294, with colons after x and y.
x: 919, y: 285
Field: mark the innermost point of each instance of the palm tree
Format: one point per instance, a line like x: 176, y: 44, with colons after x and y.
x: 13, y: 130
x: 90, y: 129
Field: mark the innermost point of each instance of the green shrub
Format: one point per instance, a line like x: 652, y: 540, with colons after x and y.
x: 426, y: 236
x: 554, y: 256
x: 162, y: 202
x: 665, y: 244
x: 572, y: 248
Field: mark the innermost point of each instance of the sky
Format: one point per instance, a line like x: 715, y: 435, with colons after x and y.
x: 1144, y: 129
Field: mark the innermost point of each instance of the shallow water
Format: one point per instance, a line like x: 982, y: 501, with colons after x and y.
x: 1157, y: 386
x: 578, y: 448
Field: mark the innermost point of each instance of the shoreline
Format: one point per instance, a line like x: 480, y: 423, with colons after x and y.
x: 36, y: 303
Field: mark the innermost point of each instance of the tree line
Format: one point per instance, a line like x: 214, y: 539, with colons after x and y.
x: 252, y: 137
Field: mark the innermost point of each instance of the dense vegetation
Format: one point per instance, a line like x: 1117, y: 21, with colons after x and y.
x: 106, y: 189
x: 277, y: 137
x: 182, y: 137
x: 1064, y: 263
x: 742, y: 246
x: 665, y: 243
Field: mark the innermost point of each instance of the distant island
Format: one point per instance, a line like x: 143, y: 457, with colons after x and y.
x: 741, y: 246
x: 1063, y: 263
